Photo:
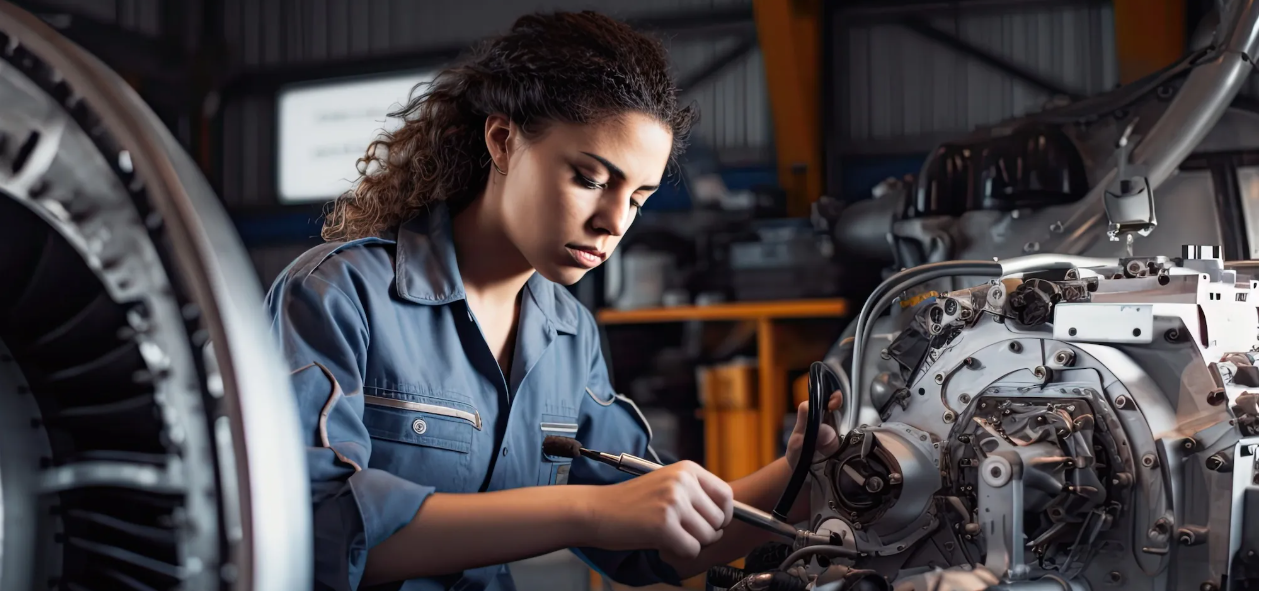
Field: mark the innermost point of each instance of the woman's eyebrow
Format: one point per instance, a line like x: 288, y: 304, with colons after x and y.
x: 617, y: 172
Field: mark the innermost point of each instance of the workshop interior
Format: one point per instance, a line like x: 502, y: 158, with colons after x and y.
x: 1019, y: 236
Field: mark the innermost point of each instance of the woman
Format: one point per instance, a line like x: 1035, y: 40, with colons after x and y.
x: 433, y: 347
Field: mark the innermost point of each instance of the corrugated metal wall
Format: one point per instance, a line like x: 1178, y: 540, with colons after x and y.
x: 896, y: 91
x: 144, y: 16
x: 269, y: 33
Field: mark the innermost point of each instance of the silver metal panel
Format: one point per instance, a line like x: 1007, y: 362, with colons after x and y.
x: 899, y: 87
x: 1103, y: 323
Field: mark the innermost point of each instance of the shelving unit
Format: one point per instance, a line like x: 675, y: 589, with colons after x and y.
x: 784, y: 343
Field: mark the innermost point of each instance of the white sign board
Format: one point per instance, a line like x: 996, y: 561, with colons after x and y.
x: 324, y: 127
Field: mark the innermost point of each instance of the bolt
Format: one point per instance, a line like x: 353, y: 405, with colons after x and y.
x: 1072, y: 332
x: 985, y: 405
x: 1072, y: 407
x: 895, y: 478
x: 874, y: 484
x: 855, y: 440
x: 1121, y: 401
x: 964, y: 399
x: 1015, y: 347
x: 1039, y: 372
x: 1172, y: 335
x: 939, y: 378
x: 884, y: 354
x: 1149, y: 460
x: 965, y: 439
x: 1188, y: 443
x: 948, y: 416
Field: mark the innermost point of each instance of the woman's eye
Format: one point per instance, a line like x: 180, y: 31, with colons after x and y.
x: 587, y: 182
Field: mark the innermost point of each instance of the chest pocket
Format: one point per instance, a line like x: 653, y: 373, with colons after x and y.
x: 555, y: 469
x: 425, y: 439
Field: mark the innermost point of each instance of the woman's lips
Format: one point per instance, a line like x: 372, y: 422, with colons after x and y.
x: 588, y: 258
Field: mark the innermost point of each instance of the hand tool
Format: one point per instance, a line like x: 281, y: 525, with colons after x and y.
x: 566, y: 447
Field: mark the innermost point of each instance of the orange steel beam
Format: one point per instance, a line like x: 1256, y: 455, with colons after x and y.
x: 789, y: 35
x: 1150, y: 34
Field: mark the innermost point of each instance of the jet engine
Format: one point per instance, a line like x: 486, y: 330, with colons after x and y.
x: 148, y: 438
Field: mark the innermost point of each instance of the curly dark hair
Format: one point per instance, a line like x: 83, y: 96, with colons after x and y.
x: 569, y: 67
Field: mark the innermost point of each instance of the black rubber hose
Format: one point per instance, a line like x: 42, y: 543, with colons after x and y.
x: 823, y: 382
x: 723, y: 576
x: 875, y: 304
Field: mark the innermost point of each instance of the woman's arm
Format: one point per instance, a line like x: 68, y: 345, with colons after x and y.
x: 455, y: 532
x: 678, y: 510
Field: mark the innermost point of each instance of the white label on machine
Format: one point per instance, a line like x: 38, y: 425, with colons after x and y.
x: 1103, y: 323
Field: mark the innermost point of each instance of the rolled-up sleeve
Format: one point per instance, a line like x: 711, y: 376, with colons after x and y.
x: 611, y: 422
x: 323, y: 335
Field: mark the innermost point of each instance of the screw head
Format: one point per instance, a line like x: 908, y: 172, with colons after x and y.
x: 939, y: 378
x: 964, y: 399
x: 948, y: 416
x: 1121, y: 401
x: 1015, y: 347
x: 1149, y: 460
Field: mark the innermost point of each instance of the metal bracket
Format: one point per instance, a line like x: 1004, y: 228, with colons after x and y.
x: 1128, y: 200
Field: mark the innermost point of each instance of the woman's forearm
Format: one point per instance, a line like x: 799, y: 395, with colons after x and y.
x: 455, y: 532
x: 761, y: 490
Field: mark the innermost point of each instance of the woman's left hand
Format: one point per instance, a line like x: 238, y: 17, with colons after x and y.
x: 827, y: 443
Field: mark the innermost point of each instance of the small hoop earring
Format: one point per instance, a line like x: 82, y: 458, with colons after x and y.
x: 497, y: 169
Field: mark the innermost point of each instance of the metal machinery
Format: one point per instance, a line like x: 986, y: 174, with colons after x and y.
x: 134, y: 361
x: 1041, y: 183
x: 1051, y: 421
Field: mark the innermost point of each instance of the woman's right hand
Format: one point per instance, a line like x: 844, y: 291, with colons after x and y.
x: 677, y: 509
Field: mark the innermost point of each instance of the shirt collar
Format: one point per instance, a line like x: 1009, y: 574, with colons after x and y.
x: 426, y: 272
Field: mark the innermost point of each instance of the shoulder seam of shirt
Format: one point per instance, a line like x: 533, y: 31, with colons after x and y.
x: 363, y: 319
x: 340, y: 247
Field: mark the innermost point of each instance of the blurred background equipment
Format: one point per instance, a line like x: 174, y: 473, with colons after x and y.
x: 134, y: 357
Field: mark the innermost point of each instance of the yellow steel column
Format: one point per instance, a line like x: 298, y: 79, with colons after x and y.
x: 1150, y: 34
x: 788, y: 33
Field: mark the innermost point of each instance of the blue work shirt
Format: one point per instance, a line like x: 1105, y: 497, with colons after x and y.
x: 400, y: 397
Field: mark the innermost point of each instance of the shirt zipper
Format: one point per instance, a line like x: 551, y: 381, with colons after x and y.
x: 473, y: 418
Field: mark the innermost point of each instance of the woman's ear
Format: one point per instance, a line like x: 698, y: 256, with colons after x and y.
x: 498, y: 134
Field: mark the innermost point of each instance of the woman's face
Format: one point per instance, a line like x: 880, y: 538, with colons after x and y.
x: 570, y: 195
